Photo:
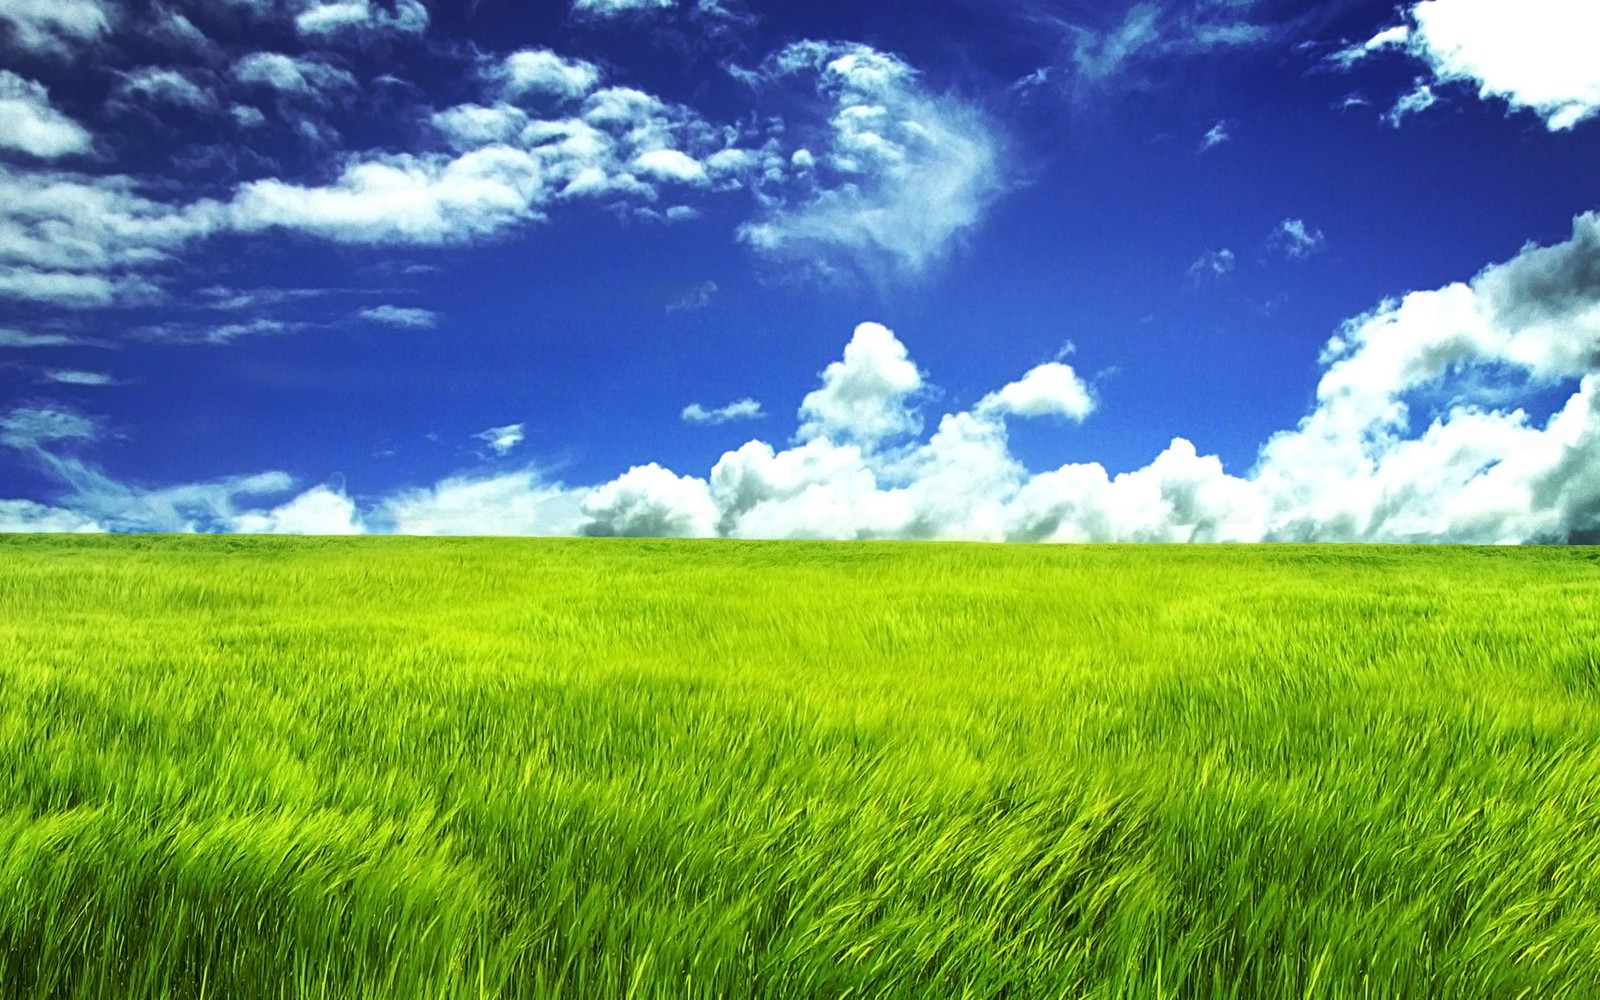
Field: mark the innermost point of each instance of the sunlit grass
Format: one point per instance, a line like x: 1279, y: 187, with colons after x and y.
x: 391, y: 768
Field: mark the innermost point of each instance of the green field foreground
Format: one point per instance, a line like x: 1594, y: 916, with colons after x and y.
x: 407, y: 768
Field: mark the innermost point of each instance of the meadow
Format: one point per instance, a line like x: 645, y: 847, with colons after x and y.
x: 244, y: 768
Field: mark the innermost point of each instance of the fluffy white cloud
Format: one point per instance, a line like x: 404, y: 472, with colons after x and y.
x: 54, y: 27
x: 744, y: 409
x: 540, y: 73
x: 649, y: 501
x: 895, y: 174
x: 29, y: 124
x: 863, y: 397
x: 404, y: 317
x: 1052, y: 389
x: 1533, y: 54
x: 318, y: 511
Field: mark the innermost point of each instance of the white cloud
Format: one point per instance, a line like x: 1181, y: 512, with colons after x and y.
x: 1420, y: 99
x: 76, y: 240
x: 507, y: 171
x: 517, y: 503
x: 1213, y: 265
x: 1216, y: 136
x: 863, y: 397
x: 74, y: 376
x: 29, y: 124
x: 32, y: 428
x: 214, y: 333
x: 307, y: 77
x: 541, y: 73
x: 160, y: 85
x: 1295, y: 239
x: 1051, y: 389
x: 24, y: 338
x: 28, y: 516
x: 55, y: 27
x: 1150, y: 31
x: 743, y: 409
x: 1353, y: 469
x: 405, y: 317
x: 694, y: 299
x: 650, y: 502
x: 617, y: 8
x: 321, y: 510
x: 502, y: 439
x: 1533, y: 54
x: 361, y: 19
x: 670, y: 165
x: 887, y: 183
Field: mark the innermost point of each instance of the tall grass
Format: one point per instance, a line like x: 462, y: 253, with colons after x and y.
x: 266, y: 768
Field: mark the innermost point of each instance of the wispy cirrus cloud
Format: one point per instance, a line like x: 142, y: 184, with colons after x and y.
x: 886, y: 183
x: 403, y: 317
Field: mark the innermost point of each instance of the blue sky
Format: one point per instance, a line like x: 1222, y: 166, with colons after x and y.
x: 1020, y: 270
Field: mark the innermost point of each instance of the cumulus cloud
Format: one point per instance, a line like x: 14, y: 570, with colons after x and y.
x: 650, y: 502
x: 1052, y: 389
x: 894, y: 176
x: 54, y: 27
x: 29, y: 124
x: 541, y: 73
x: 321, y: 510
x: 404, y: 317
x: 743, y: 409
x: 1295, y: 239
x: 1535, y: 54
x: 863, y: 397
x: 502, y: 439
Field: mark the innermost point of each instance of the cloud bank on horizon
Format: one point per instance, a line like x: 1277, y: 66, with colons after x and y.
x: 851, y: 171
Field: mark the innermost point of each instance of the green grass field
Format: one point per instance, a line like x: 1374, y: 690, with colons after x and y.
x: 400, y: 768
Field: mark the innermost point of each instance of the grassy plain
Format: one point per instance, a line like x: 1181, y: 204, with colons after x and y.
x: 265, y: 768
